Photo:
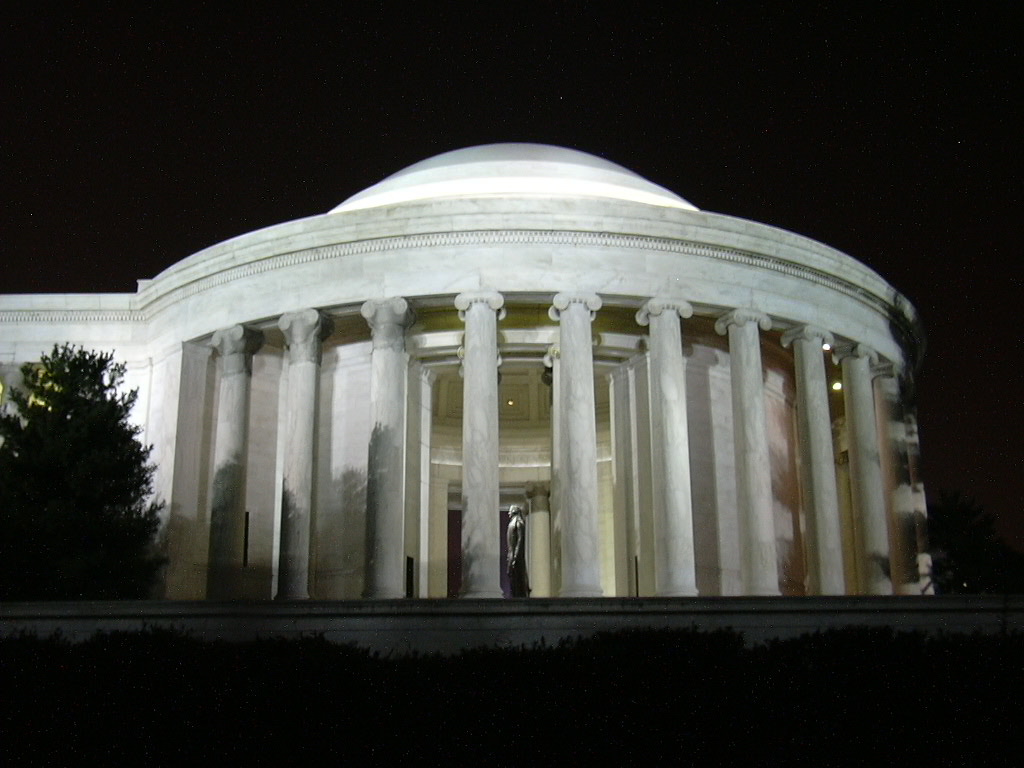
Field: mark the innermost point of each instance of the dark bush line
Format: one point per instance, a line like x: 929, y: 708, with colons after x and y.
x: 699, y: 697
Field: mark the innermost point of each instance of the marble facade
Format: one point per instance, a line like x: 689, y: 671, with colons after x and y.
x: 342, y: 406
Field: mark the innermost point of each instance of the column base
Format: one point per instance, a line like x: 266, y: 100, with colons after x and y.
x: 384, y: 595
x: 677, y: 592
x: 280, y: 596
x: 482, y: 595
x: 880, y: 587
x: 582, y: 591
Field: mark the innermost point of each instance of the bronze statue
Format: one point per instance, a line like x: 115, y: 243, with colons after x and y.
x: 516, y: 565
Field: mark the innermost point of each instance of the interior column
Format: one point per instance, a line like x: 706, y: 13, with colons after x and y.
x: 538, y: 532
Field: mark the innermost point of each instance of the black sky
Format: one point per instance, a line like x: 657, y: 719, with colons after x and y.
x: 889, y: 131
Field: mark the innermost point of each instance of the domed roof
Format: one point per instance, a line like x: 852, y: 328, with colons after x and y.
x: 513, y: 169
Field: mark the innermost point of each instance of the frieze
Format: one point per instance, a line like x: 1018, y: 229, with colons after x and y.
x: 34, y: 316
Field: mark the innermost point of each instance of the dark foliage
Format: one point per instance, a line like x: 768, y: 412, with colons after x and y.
x: 857, y: 696
x: 75, y: 517
x: 968, y: 556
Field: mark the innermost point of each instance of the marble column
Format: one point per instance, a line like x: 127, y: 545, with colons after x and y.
x: 624, y: 461
x: 581, y: 569
x: 187, y: 538
x: 304, y: 332
x: 418, y: 504
x: 385, y: 473
x: 481, y: 554
x: 753, y: 459
x: 895, y: 460
x: 676, y: 572
x: 866, y: 488
x: 818, y: 463
x: 10, y: 379
x: 235, y: 346
x: 552, y: 377
x: 918, y: 504
x: 538, y: 532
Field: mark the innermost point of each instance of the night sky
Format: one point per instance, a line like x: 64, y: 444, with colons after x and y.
x: 889, y: 131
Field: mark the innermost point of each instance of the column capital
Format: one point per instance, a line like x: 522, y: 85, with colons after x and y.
x: 533, y: 490
x: 617, y: 373
x: 562, y: 301
x: 656, y: 306
x: 429, y: 375
x: 552, y: 354
x: 492, y: 299
x: 852, y: 349
x: 304, y: 331
x: 808, y: 333
x: 388, y: 319
x: 236, y: 345
x: 885, y: 369
x: 742, y: 316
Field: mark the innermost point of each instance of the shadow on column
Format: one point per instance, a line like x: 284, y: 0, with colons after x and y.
x: 703, y: 471
x: 786, y: 501
x: 226, y: 533
x: 341, y: 538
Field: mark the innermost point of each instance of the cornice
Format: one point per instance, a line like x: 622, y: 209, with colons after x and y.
x: 151, y: 300
x: 514, y: 237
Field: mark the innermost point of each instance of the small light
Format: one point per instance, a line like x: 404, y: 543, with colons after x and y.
x: 826, y: 347
x: 511, y: 402
x: 837, y: 385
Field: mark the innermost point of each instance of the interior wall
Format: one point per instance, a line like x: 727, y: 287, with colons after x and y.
x: 183, y: 454
x: 339, y: 517
x: 261, y: 499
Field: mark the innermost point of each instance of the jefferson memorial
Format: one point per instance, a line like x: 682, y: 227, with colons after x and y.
x: 683, y: 403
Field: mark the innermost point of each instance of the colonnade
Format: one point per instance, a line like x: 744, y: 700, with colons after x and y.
x: 574, y: 455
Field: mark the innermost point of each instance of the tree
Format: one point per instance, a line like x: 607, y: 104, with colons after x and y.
x: 76, y: 520
x: 968, y: 555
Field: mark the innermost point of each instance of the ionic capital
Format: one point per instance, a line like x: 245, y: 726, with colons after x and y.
x: 538, y: 495
x: 742, y: 317
x: 562, y: 302
x: 551, y: 355
x: 492, y: 299
x: 808, y: 333
x: 885, y: 369
x: 656, y: 306
x: 618, y: 373
x: 388, y: 319
x: 236, y: 346
x: 304, y: 332
x: 844, y: 351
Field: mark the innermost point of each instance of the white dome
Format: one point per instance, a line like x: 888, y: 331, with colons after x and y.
x: 515, y: 170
